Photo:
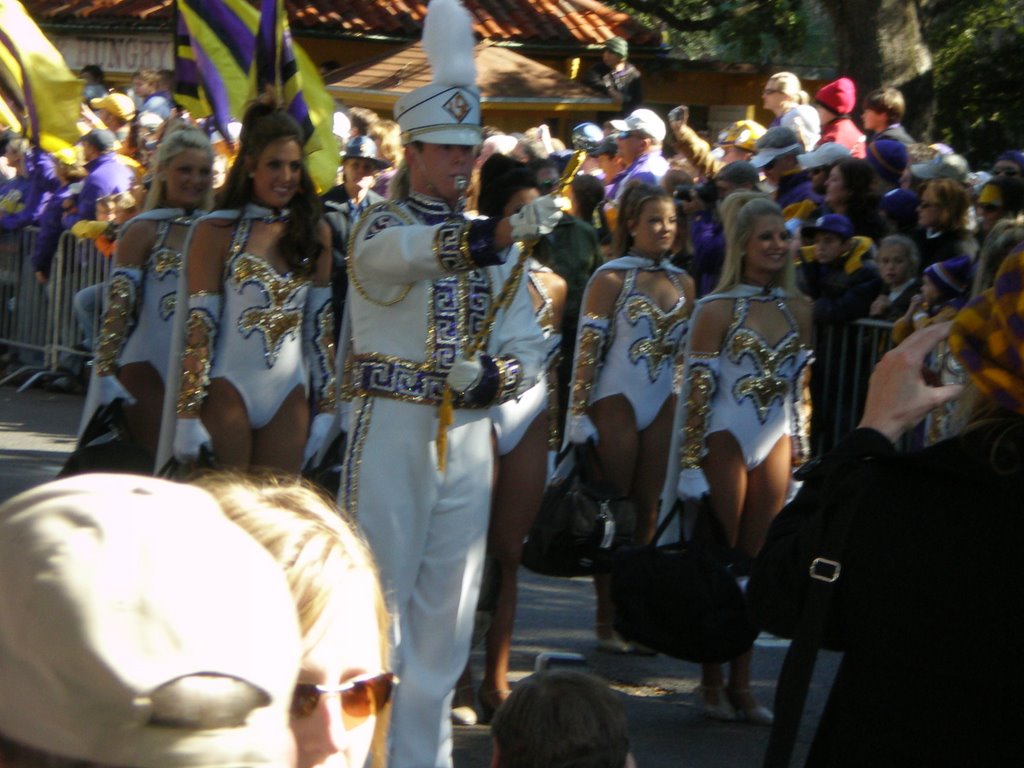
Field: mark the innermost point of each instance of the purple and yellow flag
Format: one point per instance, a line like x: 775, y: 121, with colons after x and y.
x: 228, y: 52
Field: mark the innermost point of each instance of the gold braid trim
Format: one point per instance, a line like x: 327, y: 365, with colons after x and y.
x: 122, y: 303
x: 702, y: 378
x: 590, y: 344
x: 197, y: 358
x: 363, y: 223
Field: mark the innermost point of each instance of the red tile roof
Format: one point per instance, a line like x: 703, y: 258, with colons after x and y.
x: 532, y: 22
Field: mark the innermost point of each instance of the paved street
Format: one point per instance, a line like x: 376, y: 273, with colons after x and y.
x: 36, y: 433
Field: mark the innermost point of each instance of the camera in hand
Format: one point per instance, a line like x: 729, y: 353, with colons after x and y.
x: 707, y: 193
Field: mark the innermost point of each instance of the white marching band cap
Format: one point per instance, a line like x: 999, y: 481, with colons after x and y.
x: 448, y: 110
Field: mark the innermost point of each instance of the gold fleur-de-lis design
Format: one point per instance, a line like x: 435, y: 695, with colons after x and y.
x: 275, y: 319
x: 166, y: 260
x: 661, y: 344
x: 768, y: 385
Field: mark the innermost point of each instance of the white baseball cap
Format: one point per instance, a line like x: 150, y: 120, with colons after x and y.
x: 116, y: 591
x: 644, y: 121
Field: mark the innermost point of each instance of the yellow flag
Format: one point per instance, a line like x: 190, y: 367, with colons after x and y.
x: 44, y: 96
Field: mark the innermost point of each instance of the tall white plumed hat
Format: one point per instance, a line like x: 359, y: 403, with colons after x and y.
x: 448, y: 110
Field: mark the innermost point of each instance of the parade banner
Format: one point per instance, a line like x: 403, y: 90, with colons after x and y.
x: 43, y: 98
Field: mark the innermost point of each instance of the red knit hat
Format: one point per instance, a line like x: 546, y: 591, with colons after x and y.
x: 839, y: 96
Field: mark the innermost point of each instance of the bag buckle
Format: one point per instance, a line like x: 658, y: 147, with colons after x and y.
x: 824, y: 569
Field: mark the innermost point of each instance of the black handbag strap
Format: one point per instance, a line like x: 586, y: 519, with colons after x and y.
x: 664, y: 524
x: 824, y: 571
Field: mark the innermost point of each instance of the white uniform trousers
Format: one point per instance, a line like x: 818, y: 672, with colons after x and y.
x: 428, y: 533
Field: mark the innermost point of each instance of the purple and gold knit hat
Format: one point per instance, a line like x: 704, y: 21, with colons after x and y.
x: 988, y: 336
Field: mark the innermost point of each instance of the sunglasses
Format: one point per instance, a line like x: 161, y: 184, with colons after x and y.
x: 1005, y: 172
x: 990, y: 207
x: 361, y: 697
x: 768, y: 166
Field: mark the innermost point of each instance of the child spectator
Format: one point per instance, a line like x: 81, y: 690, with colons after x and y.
x: 835, y: 102
x: 898, y: 262
x: 838, y: 271
x: 883, y: 110
x: 943, y: 292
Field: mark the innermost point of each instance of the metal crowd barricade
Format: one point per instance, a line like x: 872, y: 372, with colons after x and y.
x: 24, y: 303
x: 39, y: 322
x: 77, y: 302
x: 846, y: 354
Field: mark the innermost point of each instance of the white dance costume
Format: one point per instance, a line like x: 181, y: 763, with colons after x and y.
x: 150, y: 340
x: 140, y: 301
x: 259, y: 347
x: 511, y: 419
x: 751, y: 389
x: 644, y: 342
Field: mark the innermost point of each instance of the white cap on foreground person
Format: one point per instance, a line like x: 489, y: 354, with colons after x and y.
x: 139, y: 627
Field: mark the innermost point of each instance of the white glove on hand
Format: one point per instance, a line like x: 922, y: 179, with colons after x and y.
x: 190, y: 436
x: 579, y: 429
x: 112, y: 389
x: 536, y: 218
x: 318, y: 431
x: 465, y: 374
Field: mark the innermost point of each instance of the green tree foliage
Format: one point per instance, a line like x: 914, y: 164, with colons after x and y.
x: 978, y: 50
x: 758, y: 30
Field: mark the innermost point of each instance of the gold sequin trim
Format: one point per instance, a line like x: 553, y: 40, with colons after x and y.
x: 200, y: 336
x: 769, y: 385
x: 276, y: 320
x: 589, y: 352
x: 802, y: 414
x: 122, y: 301
x: 324, y: 343
x: 701, y: 376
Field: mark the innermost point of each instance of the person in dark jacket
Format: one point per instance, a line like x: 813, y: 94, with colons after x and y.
x: 345, y: 203
x: 616, y: 78
x: 883, y: 109
x: 840, y: 276
x: 925, y: 603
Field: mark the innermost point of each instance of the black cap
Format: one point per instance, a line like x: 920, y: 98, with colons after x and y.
x: 363, y: 147
x: 100, y: 138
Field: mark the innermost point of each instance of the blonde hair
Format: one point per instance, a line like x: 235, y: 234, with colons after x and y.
x: 739, y: 228
x: 387, y: 135
x: 1006, y: 235
x: 177, y: 138
x: 789, y: 85
x: 313, y: 543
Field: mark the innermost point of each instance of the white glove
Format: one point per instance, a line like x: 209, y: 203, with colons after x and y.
x: 317, y: 436
x: 536, y: 218
x: 190, y: 436
x: 465, y: 374
x: 112, y: 389
x: 579, y: 429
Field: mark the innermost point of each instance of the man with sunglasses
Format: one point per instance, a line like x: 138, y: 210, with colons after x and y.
x: 639, y: 141
x: 776, y: 157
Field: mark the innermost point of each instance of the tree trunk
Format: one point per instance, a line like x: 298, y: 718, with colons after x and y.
x: 882, y: 43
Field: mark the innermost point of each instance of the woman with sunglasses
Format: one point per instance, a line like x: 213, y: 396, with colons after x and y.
x: 785, y: 98
x: 1009, y: 163
x: 339, y: 710
x: 942, y: 222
